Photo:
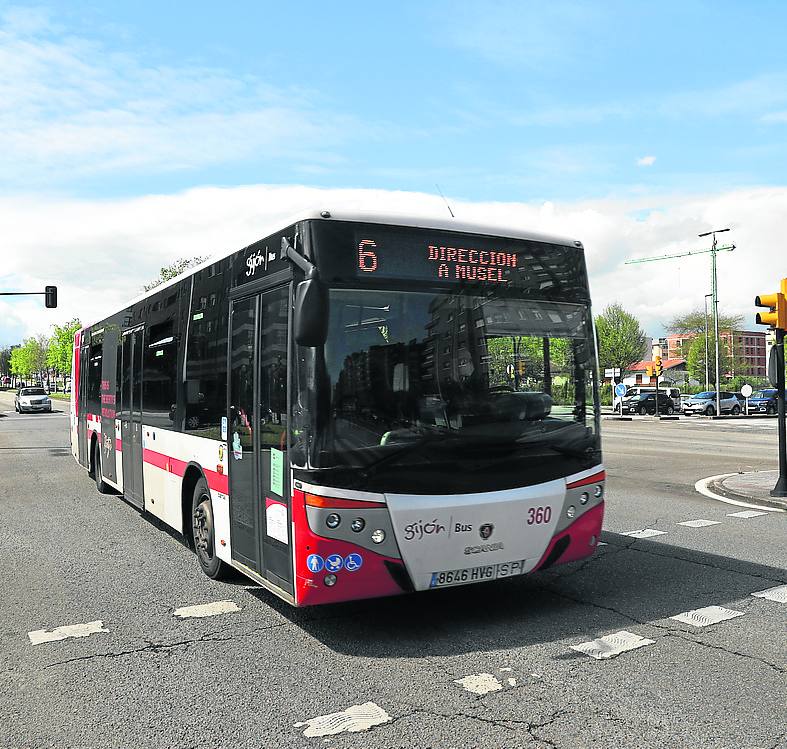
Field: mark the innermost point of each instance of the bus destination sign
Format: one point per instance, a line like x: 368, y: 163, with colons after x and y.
x: 472, y: 259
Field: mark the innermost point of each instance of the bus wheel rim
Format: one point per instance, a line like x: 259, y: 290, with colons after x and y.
x: 203, y: 530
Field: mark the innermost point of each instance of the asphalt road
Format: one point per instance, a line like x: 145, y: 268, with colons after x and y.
x: 255, y: 677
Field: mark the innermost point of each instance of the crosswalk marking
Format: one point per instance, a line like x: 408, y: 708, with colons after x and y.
x: 612, y: 645
x: 39, y: 636
x: 706, y: 616
x: 778, y: 594
x: 699, y: 523
x: 207, y: 609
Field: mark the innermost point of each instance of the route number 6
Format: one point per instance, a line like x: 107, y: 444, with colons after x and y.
x: 367, y: 258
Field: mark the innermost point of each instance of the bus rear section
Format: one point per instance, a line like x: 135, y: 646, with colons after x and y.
x: 356, y: 407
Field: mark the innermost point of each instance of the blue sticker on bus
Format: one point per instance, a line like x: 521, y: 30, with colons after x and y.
x: 315, y: 563
x: 334, y: 562
x: 353, y: 562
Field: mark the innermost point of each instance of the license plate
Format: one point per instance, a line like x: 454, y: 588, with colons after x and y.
x: 477, y: 574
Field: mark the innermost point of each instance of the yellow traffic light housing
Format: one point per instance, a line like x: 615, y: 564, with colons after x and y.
x: 777, y: 304
x: 657, y: 366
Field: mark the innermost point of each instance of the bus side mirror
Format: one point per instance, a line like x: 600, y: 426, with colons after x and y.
x: 311, y: 313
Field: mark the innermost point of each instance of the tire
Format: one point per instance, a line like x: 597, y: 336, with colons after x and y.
x: 736, y: 410
x: 204, y: 533
x: 670, y: 410
x: 101, y: 485
x: 769, y: 410
x: 641, y: 410
x: 710, y: 411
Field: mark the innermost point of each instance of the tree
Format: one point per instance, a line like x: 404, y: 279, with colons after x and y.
x: 620, y: 337
x: 694, y: 322
x: 5, y: 360
x: 695, y: 359
x: 168, y: 272
x: 30, y: 358
x: 61, y: 346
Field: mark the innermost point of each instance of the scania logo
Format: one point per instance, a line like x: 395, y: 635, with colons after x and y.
x: 486, y: 530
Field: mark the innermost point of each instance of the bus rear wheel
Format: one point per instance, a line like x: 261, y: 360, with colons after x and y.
x: 203, y: 528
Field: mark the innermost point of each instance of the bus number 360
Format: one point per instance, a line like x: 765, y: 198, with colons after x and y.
x: 539, y: 515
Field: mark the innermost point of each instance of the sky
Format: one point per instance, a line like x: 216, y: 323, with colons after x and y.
x: 132, y: 134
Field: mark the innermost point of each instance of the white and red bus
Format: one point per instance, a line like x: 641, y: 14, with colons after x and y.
x: 356, y: 406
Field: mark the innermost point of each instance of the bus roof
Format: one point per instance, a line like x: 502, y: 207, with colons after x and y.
x: 447, y: 223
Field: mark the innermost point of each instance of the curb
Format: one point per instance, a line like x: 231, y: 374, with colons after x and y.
x: 703, y: 487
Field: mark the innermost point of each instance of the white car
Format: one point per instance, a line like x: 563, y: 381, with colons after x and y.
x: 32, y: 399
x: 705, y: 403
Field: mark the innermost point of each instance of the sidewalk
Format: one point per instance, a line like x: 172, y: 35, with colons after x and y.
x: 753, y: 487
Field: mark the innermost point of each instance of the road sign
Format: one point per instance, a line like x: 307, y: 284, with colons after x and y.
x: 620, y: 390
x: 746, y: 391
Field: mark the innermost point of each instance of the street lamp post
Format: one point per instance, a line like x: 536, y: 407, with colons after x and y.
x: 715, y: 292
x: 707, y: 379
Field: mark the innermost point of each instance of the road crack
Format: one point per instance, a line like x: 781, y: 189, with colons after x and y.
x: 165, y: 647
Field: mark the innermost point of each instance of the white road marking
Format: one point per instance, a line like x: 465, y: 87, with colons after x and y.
x: 778, y: 594
x: 512, y: 682
x: 746, y: 514
x: 207, y: 609
x: 706, y: 616
x: 699, y: 523
x: 480, y: 683
x: 506, y: 669
x: 645, y: 533
x: 601, y: 543
x: 39, y: 636
x: 702, y: 487
x: 353, y: 719
x: 612, y: 645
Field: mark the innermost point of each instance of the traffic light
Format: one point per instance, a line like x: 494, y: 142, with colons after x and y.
x: 777, y: 303
x: 657, y: 366
x: 649, y: 370
x: 50, y: 296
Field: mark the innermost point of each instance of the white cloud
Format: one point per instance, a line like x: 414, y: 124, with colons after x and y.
x: 646, y: 161
x: 69, y: 107
x: 99, y: 253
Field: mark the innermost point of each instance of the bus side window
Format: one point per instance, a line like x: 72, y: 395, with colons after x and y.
x: 206, y: 355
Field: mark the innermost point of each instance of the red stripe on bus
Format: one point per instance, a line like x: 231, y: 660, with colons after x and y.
x: 216, y: 481
x: 594, y: 479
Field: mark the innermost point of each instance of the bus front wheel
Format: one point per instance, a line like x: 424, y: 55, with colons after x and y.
x: 204, y: 532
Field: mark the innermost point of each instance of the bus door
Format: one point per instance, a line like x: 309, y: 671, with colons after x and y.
x: 84, y: 368
x: 130, y: 415
x: 260, y: 512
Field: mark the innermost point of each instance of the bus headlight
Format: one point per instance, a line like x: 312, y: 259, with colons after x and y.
x: 598, y: 491
x: 583, y: 498
x: 333, y: 520
x: 571, y: 511
x: 357, y: 525
x: 378, y: 536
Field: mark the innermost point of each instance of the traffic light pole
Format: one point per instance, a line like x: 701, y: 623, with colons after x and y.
x: 780, y: 490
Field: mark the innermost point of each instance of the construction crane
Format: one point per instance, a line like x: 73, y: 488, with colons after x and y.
x: 713, y: 249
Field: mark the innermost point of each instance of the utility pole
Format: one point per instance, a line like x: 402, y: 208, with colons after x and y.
x: 715, y: 301
x: 714, y: 288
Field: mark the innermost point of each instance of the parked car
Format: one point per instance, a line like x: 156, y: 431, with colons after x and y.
x: 645, y: 403
x: 672, y: 392
x: 32, y: 399
x: 763, y: 401
x: 705, y: 404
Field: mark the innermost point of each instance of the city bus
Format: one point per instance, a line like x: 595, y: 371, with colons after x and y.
x: 356, y: 406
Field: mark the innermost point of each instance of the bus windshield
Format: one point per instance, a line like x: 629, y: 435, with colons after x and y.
x: 459, y: 381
